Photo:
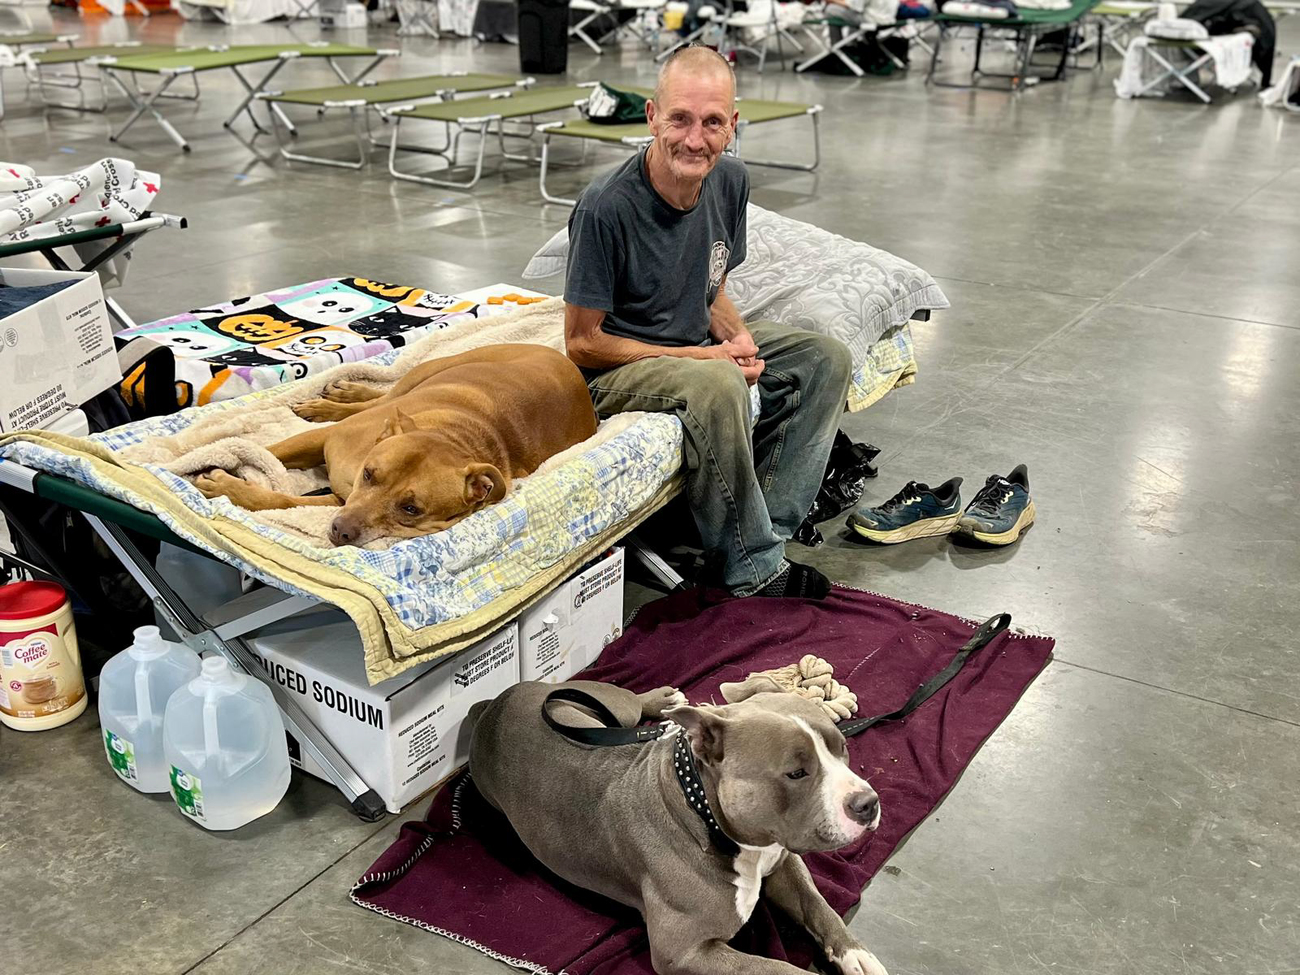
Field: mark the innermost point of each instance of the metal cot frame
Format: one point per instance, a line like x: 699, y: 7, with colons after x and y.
x: 143, y: 102
x: 441, y: 88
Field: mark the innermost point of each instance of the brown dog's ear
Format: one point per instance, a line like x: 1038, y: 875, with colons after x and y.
x: 705, y: 729
x: 484, y: 484
x: 399, y: 422
x: 736, y: 691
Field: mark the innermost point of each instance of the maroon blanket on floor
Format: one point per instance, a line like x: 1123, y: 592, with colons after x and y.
x: 463, y: 873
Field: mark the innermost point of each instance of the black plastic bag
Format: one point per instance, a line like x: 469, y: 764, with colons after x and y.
x: 847, y: 470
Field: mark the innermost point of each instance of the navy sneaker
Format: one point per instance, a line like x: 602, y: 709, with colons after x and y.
x: 917, y: 511
x: 1001, y: 512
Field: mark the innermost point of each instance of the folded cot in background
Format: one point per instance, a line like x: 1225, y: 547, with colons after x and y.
x: 170, y: 66
x: 358, y: 98
x: 1025, y: 29
x: 632, y: 135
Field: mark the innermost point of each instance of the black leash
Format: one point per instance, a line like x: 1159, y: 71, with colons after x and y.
x: 989, y: 629
x: 688, y: 776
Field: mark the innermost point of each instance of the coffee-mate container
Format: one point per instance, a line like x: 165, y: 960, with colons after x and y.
x: 40, y: 669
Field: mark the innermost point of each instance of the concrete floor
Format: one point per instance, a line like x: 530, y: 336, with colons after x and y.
x: 1125, y: 320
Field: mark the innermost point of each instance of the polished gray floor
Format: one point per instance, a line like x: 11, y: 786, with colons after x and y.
x: 1125, y: 320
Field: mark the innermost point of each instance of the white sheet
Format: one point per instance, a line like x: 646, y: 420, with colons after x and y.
x: 1230, y: 54
x: 239, y: 11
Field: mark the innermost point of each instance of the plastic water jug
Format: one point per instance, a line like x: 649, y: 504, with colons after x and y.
x: 224, y: 742
x: 134, y: 688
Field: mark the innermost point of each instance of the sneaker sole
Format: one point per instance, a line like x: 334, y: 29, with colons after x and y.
x: 1012, y: 534
x: 925, y: 528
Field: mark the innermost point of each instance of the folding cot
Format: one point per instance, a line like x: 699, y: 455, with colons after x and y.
x: 1116, y: 21
x: 123, y: 236
x: 43, y: 70
x: 12, y: 44
x: 596, y: 10
x: 170, y: 66
x: 1026, y: 29
x: 20, y: 39
x: 634, y: 134
x: 364, y: 95
x: 480, y: 116
x: 910, y: 28
x: 760, y: 18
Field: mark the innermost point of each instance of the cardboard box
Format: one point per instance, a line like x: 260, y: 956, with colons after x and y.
x: 55, y: 354
x: 567, y: 630
x: 404, y: 735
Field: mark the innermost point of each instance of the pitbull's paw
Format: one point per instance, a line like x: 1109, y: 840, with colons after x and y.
x: 655, y: 703
x: 219, y: 484
x: 345, y: 391
x: 858, y: 961
x: 322, y: 410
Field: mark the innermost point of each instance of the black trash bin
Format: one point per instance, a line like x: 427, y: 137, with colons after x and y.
x: 543, y: 36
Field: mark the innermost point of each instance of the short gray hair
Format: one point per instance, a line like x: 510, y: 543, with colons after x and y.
x: 693, y: 56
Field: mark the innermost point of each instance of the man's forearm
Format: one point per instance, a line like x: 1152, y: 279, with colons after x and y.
x: 605, y: 351
x: 725, y: 322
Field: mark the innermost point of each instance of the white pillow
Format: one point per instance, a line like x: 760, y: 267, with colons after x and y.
x: 1176, y: 29
x: 801, y: 275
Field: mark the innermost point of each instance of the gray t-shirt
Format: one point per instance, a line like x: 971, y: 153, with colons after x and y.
x: 653, y: 269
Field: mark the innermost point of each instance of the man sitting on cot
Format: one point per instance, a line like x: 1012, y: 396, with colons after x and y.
x: 648, y: 320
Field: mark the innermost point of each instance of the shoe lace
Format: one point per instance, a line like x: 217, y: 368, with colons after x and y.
x: 993, y: 494
x: 909, y: 493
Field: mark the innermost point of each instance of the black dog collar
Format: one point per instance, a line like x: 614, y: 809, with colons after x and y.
x: 688, y: 777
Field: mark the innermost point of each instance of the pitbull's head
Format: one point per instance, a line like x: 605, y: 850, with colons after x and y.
x: 780, y: 769
x: 407, y: 488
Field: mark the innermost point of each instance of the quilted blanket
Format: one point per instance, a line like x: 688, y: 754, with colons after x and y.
x: 417, y: 598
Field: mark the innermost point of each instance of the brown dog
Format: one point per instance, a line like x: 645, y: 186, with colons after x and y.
x: 445, y: 441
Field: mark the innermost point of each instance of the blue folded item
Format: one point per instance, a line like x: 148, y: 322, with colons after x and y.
x: 912, y: 10
x: 14, y: 300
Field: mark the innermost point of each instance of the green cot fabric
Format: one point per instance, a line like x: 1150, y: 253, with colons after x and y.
x: 533, y: 102
x: 71, y: 55
x: 397, y: 90
x: 17, y: 39
x: 582, y: 129
x: 752, y: 111
x: 755, y: 110
x: 1029, y: 18
x: 205, y: 59
x: 60, y: 490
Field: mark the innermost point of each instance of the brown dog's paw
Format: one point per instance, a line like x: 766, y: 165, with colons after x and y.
x: 218, y: 484
x: 655, y: 703
x: 346, y: 391
x: 320, y: 411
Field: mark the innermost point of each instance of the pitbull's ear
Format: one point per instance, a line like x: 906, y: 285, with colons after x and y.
x: 705, y: 728
x: 399, y: 422
x: 484, y: 483
x: 737, y: 691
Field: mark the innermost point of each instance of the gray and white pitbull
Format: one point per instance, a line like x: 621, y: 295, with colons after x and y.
x: 616, y: 820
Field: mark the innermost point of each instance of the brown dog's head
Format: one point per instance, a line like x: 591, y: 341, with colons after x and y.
x: 403, y: 490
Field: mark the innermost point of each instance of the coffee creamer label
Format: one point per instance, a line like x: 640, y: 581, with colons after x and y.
x: 38, y: 676
x: 187, y: 790
x: 121, y: 755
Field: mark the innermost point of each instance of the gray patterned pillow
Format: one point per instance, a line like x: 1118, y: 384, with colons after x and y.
x: 798, y: 274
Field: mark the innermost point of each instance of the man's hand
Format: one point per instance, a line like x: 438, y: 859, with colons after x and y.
x: 744, y: 353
